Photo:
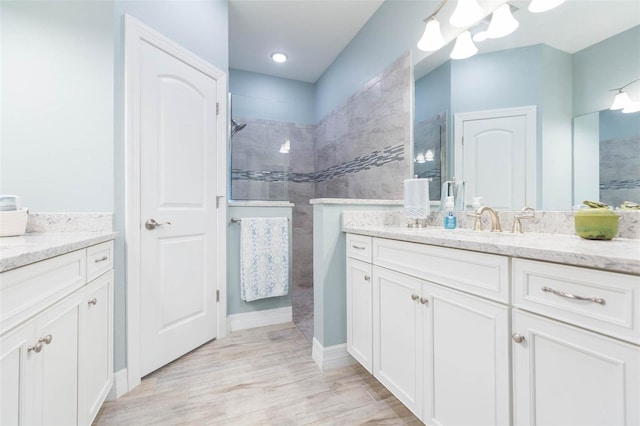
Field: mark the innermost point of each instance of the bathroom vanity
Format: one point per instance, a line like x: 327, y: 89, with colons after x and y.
x: 469, y: 327
x: 56, y: 327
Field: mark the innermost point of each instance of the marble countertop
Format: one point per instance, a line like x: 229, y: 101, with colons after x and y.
x: 356, y: 201
x: 619, y: 254
x: 34, y: 247
x: 259, y: 203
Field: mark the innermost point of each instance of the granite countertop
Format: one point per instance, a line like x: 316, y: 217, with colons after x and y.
x: 34, y: 247
x: 619, y: 254
x: 360, y: 201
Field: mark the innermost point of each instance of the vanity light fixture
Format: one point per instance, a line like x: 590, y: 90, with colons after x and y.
x: 432, y: 39
x: 502, y: 22
x: 279, y: 57
x: 480, y: 36
x: 464, y: 47
x: 466, y: 13
x: 420, y: 158
x: 622, y: 100
x: 537, y: 6
x: 428, y: 156
x: 632, y: 107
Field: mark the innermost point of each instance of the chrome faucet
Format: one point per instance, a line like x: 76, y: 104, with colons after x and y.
x: 495, y: 220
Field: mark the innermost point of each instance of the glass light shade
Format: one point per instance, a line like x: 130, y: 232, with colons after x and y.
x: 467, y: 13
x: 537, y: 6
x: 632, y: 107
x: 502, y: 22
x: 480, y: 36
x: 620, y: 101
x: 428, y: 156
x: 420, y: 158
x: 464, y: 47
x: 432, y: 39
x: 285, y: 147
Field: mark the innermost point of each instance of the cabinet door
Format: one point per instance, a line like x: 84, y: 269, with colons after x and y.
x: 96, y: 346
x: 58, y: 378
x: 564, y: 375
x: 397, y: 336
x: 466, y: 359
x: 17, y: 364
x: 359, y: 315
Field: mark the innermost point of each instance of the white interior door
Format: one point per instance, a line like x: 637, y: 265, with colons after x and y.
x: 178, y: 191
x: 495, y: 155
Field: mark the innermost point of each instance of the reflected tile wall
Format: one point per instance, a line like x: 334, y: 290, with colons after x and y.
x: 619, y: 157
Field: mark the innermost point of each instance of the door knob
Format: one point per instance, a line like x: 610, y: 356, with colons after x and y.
x: 414, y: 297
x: 46, y: 339
x: 152, y: 224
x: 518, y: 338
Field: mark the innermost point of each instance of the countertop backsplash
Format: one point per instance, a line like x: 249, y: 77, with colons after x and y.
x: 544, y: 222
x: 70, y: 222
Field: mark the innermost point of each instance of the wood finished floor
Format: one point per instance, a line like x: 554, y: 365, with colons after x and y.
x: 262, y: 376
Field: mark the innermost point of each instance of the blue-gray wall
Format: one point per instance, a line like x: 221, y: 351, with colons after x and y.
x: 607, y: 65
x: 271, y: 98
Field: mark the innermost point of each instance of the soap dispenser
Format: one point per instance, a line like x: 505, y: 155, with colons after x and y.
x: 450, y: 220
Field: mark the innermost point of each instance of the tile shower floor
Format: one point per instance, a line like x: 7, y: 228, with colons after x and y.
x: 302, y: 307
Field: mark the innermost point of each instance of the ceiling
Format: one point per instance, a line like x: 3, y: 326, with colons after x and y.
x: 311, y: 32
x: 314, y: 32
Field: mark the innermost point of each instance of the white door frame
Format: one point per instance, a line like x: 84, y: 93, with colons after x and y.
x: 135, y: 34
x: 530, y: 144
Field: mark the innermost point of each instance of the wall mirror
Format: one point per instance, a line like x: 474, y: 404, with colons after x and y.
x: 559, y: 65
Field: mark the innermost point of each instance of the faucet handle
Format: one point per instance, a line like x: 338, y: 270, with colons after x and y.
x: 477, y: 225
x: 527, y: 213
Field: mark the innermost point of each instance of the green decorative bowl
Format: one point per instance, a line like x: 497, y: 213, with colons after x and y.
x: 596, y: 224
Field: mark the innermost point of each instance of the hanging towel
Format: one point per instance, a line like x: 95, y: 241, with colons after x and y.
x: 264, y: 257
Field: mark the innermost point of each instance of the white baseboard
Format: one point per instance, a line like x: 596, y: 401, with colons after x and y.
x: 332, y: 356
x: 259, y: 318
x: 120, y: 385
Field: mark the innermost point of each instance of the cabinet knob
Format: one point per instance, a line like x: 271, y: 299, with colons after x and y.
x: 36, y: 348
x: 46, y: 339
x: 367, y: 278
x: 424, y: 300
x: 518, y: 338
x: 93, y: 301
x: 414, y: 297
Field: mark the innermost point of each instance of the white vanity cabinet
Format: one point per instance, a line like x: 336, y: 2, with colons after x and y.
x: 56, y: 341
x: 359, y: 300
x: 563, y: 371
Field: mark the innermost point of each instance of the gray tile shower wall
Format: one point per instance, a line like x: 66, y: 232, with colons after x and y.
x: 362, y: 146
x: 619, y: 157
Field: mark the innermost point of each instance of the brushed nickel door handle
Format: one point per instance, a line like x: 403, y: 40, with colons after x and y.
x: 518, y: 338
x: 151, y: 224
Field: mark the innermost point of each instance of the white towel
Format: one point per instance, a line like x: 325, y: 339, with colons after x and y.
x: 416, y: 198
x: 264, y: 257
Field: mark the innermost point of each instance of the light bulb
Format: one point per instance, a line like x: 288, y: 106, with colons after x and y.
x: 279, y: 57
x: 467, y: 13
x: 464, y: 47
x: 502, y: 22
x: 432, y: 38
x: 428, y: 156
x: 621, y: 101
x: 420, y: 158
x: 537, y: 6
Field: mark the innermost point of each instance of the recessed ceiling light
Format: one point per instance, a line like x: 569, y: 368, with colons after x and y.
x: 279, y: 57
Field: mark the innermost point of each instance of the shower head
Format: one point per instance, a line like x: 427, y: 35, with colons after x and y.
x: 236, y: 127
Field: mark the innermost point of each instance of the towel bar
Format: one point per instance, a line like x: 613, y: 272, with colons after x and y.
x: 237, y: 219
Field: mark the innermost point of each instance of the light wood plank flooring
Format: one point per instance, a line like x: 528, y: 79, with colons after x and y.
x: 262, y: 376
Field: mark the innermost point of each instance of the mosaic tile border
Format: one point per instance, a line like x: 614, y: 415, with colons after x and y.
x: 377, y: 158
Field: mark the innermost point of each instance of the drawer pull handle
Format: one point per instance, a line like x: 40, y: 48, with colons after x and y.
x: 93, y: 301
x: 424, y: 300
x: 414, y: 297
x: 102, y: 259
x: 572, y: 296
x: 367, y: 278
x: 358, y: 247
x: 46, y: 339
x: 518, y: 338
x: 36, y: 348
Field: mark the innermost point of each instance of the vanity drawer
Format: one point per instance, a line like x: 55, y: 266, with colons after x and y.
x: 481, y: 274
x: 32, y: 288
x: 605, y: 302
x: 359, y: 247
x: 99, y: 259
